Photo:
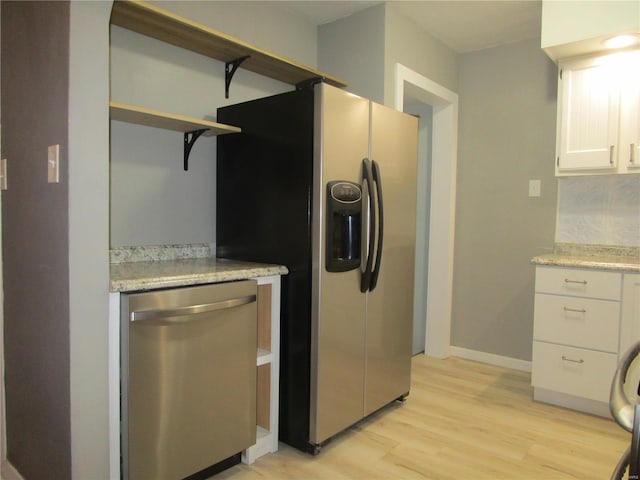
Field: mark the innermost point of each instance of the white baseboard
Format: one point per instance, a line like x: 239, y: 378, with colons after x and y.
x: 8, y: 472
x: 491, y: 359
x: 574, y: 403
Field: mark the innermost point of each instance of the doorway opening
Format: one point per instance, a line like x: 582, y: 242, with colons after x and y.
x: 436, y: 215
x: 424, y: 113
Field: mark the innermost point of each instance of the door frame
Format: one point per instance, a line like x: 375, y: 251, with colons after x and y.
x: 443, y: 202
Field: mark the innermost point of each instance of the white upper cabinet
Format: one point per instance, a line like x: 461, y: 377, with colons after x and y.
x: 598, y: 115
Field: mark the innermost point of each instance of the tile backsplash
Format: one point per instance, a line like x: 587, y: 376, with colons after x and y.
x: 601, y: 210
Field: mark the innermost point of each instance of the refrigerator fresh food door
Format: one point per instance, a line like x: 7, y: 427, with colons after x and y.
x: 394, y: 140
x: 338, y: 313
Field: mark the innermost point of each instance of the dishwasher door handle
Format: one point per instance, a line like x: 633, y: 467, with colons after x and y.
x: 167, y: 314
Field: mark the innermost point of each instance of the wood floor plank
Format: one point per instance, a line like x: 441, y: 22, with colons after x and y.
x: 462, y: 420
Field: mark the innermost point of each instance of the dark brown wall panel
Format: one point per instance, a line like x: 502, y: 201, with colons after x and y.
x: 34, y: 98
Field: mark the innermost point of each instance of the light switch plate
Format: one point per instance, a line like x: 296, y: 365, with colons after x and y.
x: 534, y: 188
x: 53, y: 164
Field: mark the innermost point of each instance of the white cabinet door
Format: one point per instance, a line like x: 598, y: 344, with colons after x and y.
x: 629, y: 154
x: 588, y: 116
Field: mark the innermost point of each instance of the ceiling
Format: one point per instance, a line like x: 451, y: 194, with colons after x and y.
x: 464, y: 26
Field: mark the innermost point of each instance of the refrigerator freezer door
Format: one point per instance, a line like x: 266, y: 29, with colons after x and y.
x: 390, y: 304
x: 338, y: 306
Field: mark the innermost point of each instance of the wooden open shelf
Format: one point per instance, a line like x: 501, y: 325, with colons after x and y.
x: 165, y: 26
x: 168, y: 121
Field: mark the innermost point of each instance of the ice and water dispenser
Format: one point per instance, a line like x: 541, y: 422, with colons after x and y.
x: 344, y: 223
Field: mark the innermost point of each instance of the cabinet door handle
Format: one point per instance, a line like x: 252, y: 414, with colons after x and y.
x: 632, y: 153
x: 611, y: 152
x: 581, y: 282
x: 572, y: 360
x: 577, y: 310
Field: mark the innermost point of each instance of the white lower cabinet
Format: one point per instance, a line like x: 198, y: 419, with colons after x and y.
x: 630, y: 328
x: 576, y: 336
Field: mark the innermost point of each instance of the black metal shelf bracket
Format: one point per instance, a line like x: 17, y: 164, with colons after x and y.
x: 229, y: 71
x: 189, y: 139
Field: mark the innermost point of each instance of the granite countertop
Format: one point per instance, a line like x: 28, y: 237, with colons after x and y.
x: 603, y: 257
x: 162, y: 267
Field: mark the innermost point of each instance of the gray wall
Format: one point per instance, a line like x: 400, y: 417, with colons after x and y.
x: 352, y: 49
x: 506, y: 137
x: 364, y: 48
x: 259, y: 23
x: 410, y: 45
x: 35, y: 239
x: 153, y: 201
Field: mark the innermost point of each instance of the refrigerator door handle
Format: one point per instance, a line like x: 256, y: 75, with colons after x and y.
x: 367, y: 177
x: 377, y: 179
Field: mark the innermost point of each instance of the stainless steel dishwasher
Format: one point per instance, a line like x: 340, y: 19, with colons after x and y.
x: 188, y: 373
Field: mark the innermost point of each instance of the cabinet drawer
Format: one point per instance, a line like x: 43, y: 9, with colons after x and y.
x: 581, y: 322
x: 579, y: 282
x: 574, y: 371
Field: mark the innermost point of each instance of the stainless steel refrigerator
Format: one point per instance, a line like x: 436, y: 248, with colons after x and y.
x: 324, y: 182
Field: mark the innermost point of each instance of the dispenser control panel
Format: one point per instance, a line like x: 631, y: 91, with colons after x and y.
x: 344, y: 226
x: 346, y: 192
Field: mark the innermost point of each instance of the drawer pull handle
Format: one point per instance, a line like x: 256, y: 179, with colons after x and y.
x: 581, y: 282
x: 567, y: 359
x: 577, y: 310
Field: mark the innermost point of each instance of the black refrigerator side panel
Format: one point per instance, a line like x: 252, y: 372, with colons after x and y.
x: 264, y: 179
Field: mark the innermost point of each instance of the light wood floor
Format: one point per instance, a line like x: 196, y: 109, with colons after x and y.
x: 462, y: 420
